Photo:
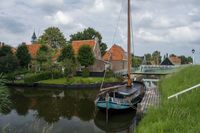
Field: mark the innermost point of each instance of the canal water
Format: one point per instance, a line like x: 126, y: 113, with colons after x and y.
x: 58, y: 111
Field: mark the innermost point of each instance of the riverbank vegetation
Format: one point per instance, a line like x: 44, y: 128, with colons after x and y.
x: 175, y: 115
x: 50, y: 56
x: 79, y: 80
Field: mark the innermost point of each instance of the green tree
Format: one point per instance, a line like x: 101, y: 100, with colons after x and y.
x: 8, y: 63
x: 86, y: 56
x: 148, y: 58
x: 156, y: 58
x: 69, y: 68
x: 67, y: 53
x: 184, y: 59
x: 87, y: 34
x: 23, y: 55
x: 43, y: 56
x: 189, y: 59
x: 172, y: 55
x: 5, y: 50
x: 136, y: 61
x: 53, y: 37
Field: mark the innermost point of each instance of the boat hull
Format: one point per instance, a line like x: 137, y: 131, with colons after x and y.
x: 137, y: 97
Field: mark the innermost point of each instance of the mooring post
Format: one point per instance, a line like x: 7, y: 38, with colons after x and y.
x: 107, y: 98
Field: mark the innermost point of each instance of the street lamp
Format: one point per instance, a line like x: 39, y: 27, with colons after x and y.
x: 193, y: 51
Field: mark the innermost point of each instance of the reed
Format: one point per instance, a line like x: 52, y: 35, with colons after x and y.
x: 175, y: 115
x: 4, y: 95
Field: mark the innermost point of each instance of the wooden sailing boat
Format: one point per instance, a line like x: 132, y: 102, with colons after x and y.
x: 123, y: 96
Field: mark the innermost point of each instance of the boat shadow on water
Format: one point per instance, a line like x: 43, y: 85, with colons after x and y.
x: 116, y: 121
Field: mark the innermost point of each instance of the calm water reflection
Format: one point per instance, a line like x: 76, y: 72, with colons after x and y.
x: 59, y: 111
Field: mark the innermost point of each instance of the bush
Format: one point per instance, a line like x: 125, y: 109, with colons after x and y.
x: 12, y: 76
x: 85, y: 72
x: 110, y: 74
x: 42, y: 76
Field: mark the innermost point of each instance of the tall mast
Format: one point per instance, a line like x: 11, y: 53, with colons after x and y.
x: 129, y: 45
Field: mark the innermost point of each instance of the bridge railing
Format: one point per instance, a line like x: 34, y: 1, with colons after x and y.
x: 152, y: 68
x: 184, y: 91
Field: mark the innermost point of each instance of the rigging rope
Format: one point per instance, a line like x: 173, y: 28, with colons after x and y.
x: 114, y: 36
x: 118, y: 20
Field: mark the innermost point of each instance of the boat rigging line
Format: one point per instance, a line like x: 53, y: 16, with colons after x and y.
x: 114, y: 36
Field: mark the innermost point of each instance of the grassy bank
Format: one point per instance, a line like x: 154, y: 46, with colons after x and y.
x: 175, y: 115
x: 79, y: 80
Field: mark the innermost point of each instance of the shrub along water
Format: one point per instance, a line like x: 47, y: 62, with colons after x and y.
x: 42, y: 76
x: 175, y: 115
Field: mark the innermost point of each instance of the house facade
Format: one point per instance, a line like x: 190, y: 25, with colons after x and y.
x: 172, y: 60
x: 99, y: 65
x: 117, y: 57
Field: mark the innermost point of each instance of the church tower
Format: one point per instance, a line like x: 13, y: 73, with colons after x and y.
x: 34, y: 38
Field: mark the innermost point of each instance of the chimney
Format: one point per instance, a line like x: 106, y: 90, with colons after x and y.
x: 2, y: 44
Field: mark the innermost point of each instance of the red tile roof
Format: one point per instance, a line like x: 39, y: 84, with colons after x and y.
x: 33, y: 48
x: 77, y: 44
x: 117, y: 54
x: 175, y: 60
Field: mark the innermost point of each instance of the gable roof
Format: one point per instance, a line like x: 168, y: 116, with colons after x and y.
x: 77, y: 44
x: 166, y: 61
x: 175, y: 60
x: 116, y: 53
x: 32, y: 49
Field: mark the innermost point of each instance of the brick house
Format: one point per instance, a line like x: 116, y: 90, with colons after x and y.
x: 117, y: 58
x: 99, y: 65
x: 32, y: 49
x: 172, y: 60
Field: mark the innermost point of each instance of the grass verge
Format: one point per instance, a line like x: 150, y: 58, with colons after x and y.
x: 175, y: 115
x: 78, y: 80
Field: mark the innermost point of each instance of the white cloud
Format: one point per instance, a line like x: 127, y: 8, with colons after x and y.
x: 98, y: 6
x: 194, y: 12
x: 148, y: 36
x: 183, y: 34
x: 60, y: 18
x: 48, y: 2
x: 161, y: 22
x: 169, y: 23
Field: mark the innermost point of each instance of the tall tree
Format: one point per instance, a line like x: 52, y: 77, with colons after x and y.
x: 23, y: 55
x: 136, y: 61
x: 43, y: 55
x: 67, y: 53
x: 86, y: 56
x: 156, y: 58
x: 148, y: 58
x: 53, y: 37
x: 5, y: 50
x: 189, y: 59
x: 185, y: 60
x: 8, y: 63
x: 87, y: 34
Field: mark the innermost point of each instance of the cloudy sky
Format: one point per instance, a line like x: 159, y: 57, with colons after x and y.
x: 170, y: 26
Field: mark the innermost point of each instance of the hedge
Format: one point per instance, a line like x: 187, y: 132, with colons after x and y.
x: 42, y: 76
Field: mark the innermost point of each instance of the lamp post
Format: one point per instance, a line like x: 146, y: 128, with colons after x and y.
x: 193, y: 51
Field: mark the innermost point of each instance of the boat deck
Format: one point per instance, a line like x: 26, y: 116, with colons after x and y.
x: 151, y: 98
